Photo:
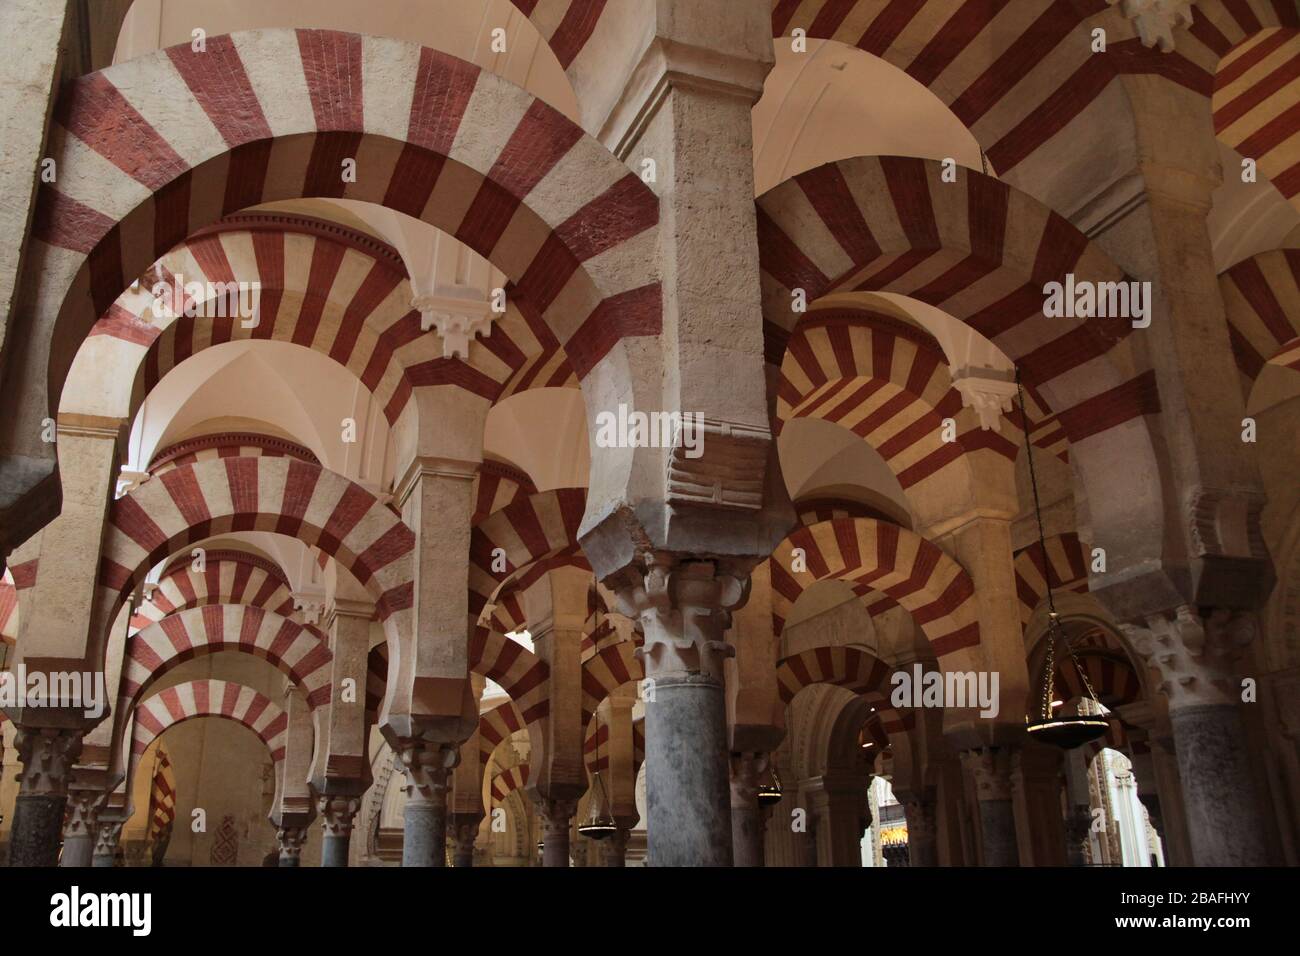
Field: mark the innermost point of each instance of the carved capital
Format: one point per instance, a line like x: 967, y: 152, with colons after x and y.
x: 683, y: 606
x: 291, y: 840
x: 82, y: 813
x: 458, y: 317
x: 747, y: 769
x: 47, y: 755
x: 988, y: 391
x: 428, y: 769
x: 337, y: 814
x: 107, y: 835
x: 556, y: 817
x: 1193, y: 655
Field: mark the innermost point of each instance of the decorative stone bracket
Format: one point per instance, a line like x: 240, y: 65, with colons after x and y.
x: 457, y: 315
x: 988, y: 391
x: 1156, y: 20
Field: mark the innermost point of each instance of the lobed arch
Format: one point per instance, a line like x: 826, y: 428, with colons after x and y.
x: 1261, y: 299
x: 982, y: 251
x: 873, y: 555
x: 282, y: 495
x: 269, y: 115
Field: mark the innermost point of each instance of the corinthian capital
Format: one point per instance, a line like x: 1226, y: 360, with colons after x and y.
x: 47, y: 756
x: 1193, y: 655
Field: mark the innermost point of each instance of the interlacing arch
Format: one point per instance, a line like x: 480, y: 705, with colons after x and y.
x: 293, y: 648
x: 1261, y: 297
x: 520, y: 672
x: 508, y: 781
x: 497, y: 725
x: 209, y: 698
x: 280, y: 495
x: 229, y: 576
x: 273, y: 114
x: 874, y: 555
x: 1065, y: 569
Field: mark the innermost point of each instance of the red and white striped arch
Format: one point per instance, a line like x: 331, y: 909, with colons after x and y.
x: 497, y: 725
x: 595, y: 748
x: 1065, y: 568
x: 872, y: 555
x: 851, y: 668
x: 347, y: 300
x: 1016, y: 74
x: 521, y: 673
x: 1261, y: 297
x: 508, y: 781
x: 978, y: 249
x: 1113, y: 678
x: 151, y: 150
x: 496, y: 486
x: 301, y: 654
x: 279, y: 495
x: 606, y: 671
x: 227, y: 445
x: 228, y: 577
x: 209, y: 698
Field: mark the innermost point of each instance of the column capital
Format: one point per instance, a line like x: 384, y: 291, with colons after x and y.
x: 991, y: 769
x: 291, y: 840
x: 683, y: 606
x: 47, y: 755
x: 1193, y: 655
x: 428, y: 768
x: 337, y: 813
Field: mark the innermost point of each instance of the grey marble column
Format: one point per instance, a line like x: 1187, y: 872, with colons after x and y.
x: 747, y: 827
x: 337, y: 816
x: 428, y: 775
x: 922, y: 830
x: 464, y: 833
x: 47, y: 755
x: 557, y: 818
x: 1224, y: 820
x: 683, y: 608
x: 291, y: 840
x: 79, y: 828
x: 991, y: 768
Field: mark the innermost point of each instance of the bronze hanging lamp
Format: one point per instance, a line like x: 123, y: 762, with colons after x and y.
x: 769, y: 792
x: 600, y: 822
x: 1067, y: 731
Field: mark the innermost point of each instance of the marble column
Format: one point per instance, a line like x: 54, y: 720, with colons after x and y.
x: 79, y: 828
x: 291, y: 840
x: 990, y: 767
x: 838, y: 808
x: 557, y: 821
x: 428, y: 776
x: 922, y: 830
x: 747, y: 826
x: 337, y: 816
x: 47, y: 755
x: 107, y: 835
x: 613, y: 850
x: 463, y: 833
x: 1193, y: 656
x: 682, y: 606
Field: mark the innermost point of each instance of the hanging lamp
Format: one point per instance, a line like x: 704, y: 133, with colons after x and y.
x: 600, y: 824
x: 769, y: 792
x: 1067, y: 731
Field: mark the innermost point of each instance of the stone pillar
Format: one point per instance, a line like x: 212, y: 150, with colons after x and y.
x: 747, y: 827
x: 682, y: 606
x: 557, y: 821
x: 990, y: 769
x: 922, y: 829
x: 838, y: 808
x: 1078, y: 810
x: 290, y: 840
x: 1036, y: 799
x: 337, y: 816
x: 428, y: 773
x: 613, y: 851
x: 107, y: 835
x: 463, y: 833
x: 80, y: 827
x: 1193, y: 657
x: 47, y: 755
